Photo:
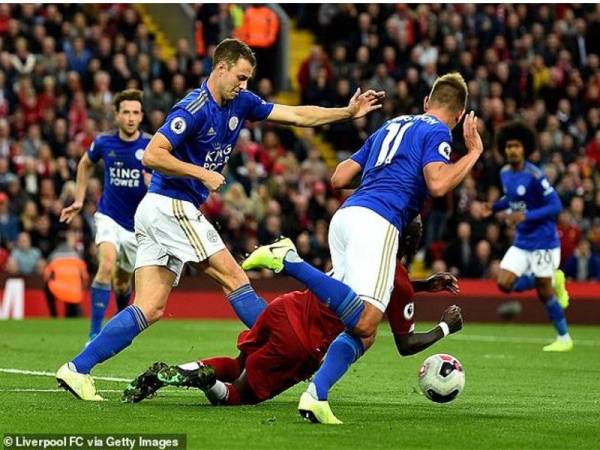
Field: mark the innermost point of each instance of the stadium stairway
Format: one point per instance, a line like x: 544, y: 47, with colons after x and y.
x: 167, y: 50
x: 300, y: 44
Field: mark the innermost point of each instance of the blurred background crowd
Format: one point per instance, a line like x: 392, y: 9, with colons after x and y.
x: 60, y: 65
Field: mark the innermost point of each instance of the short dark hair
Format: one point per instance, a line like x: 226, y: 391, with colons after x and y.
x: 230, y: 50
x: 516, y: 130
x: 410, y: 239
x: 449, y: 90
x: 128, y: 94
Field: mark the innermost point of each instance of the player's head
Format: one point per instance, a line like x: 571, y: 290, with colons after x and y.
x: 410, y: 239
x: 449, y: 94
x: 129, y: 110
x: 516, y: 140
x: 233, y: 66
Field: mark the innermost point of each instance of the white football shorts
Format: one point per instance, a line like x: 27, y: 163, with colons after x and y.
x: 541, y: 263
x: 107, y: 230
x: 171, y: 232
x: 363, y: 249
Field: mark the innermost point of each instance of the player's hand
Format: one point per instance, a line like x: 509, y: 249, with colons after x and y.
x: 362, y: 104
x: 480, y: 210
x: 453, y: 317
x: 473, y: 140
x: 515, y: 218
x: 67, y: 214
x: 443, y: 281
x: 213, y: 180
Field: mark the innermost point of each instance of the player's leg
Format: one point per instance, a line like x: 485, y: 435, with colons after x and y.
x: 222, y: 268
x: 370, y: 263
x: 101, y: 286
x: 282, y: 256
x: 514, y: 268
x: 121, y: 276
x: 153, y: 286
x: 544, y: 263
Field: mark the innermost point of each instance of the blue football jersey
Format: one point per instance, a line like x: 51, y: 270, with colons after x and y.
x: 528, y: 190
x: 124, y: 185
x: 203, y: 133
x: 393, y: 159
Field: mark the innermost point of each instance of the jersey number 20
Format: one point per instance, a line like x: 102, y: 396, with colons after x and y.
x: 395, y: 133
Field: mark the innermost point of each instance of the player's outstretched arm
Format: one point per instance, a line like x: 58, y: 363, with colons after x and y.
x: 441, y: 281
x: 313, y: 116
x: 409, y: 344
x: 158, y: 157
x: 441, y: 178
x: 84, y: 172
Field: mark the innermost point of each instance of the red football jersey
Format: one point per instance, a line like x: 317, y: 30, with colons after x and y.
x: 314, y: 323
x: 401, y: 309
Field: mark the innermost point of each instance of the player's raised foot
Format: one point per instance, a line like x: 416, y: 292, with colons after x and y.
x: 81, y: 385
x: 559, y: 345
x: 560, y: 289
x: 317, y: 411
x: 269, y: 256
x: 202, y: 378
x: 144, y: 385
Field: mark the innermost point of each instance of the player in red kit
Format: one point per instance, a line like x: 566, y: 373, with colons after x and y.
x: 288, y: 341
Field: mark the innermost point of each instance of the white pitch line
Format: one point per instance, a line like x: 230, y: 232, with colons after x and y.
x: 53, y: 390
x: 52, y: 374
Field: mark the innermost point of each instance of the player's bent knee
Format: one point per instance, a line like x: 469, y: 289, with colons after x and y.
x: 152, y: 313
x: 365, y: 328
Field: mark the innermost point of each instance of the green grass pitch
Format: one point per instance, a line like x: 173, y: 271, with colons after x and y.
x: 516, y: 396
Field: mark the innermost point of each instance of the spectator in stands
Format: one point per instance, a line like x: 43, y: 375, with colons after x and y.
x: 25, y: 259
x: 583, y: 264
x: 459, y: 253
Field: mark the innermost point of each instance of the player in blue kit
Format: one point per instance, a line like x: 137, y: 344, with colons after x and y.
x: 125, y: 184
x: 401, y: 163
x: 532, y: 206
x: 187, y: 155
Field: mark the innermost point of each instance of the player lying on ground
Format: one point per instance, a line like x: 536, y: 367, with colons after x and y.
x: 532, y: 205
x: 290, y: 338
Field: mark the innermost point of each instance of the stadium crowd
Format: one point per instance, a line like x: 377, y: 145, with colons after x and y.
x: 60, y: 65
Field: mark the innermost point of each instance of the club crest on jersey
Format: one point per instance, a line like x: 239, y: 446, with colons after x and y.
x: 233, y: 123
x: 212, y: 236
x: 444, y: 149
x: 178, y: 125
x: 139, y: 154
x: 521, y: 190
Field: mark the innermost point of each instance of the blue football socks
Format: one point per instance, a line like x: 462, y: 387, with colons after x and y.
x: 524, y: 283
x: 557, y: 316
x: 339, y: 297
x: 246, y: 304
x: 118, y: 333
x: 100, y: 298
x: 343, y: 351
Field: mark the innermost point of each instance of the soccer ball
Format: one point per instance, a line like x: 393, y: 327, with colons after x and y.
x: 441, y: 378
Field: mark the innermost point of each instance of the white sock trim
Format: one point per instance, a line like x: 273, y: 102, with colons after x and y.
x: 217, y: 393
